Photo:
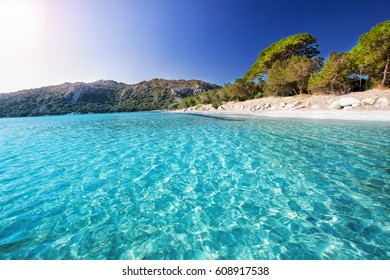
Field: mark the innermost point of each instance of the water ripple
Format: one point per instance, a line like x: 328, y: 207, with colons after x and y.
x: 167, y: 186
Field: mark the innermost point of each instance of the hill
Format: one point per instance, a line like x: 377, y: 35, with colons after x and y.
x: 99, y: 97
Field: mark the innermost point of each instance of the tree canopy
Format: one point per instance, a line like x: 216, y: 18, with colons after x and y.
x: 297, y: 45
x: 335, y: 77
x: 292, y: 76
x: 372, y: 54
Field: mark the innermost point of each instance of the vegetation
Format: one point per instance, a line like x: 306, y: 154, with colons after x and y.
x: 286, y: 65
x: 240, y: 90
x: 366, y: 64
x: 304, y: 45
x: 292, y: 76
x: 372, y: 54
x: 336, y: 77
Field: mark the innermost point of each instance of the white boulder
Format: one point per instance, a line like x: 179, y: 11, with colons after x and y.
x: 368, y: 101
x: 382, y: 102
x: 335, y: 106
x: 348, y: 101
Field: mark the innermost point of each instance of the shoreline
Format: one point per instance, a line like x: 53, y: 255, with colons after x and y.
x: 371, y: 105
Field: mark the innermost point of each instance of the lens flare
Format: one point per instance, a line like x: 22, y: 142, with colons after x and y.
x: 21, y: 25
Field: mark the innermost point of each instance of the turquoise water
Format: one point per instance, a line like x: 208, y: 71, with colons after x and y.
x: 171, y: 186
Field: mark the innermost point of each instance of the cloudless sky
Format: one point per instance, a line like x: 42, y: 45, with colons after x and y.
x: 47, y: 42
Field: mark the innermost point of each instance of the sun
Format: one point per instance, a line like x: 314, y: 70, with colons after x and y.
x: 21, y: 25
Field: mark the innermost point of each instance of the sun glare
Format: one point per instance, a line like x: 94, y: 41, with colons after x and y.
x: 21, y: 25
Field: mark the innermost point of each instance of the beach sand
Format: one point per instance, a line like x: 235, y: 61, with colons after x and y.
x: 325, y: 107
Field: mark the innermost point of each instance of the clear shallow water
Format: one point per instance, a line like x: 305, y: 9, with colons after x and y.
x: 169, y: 186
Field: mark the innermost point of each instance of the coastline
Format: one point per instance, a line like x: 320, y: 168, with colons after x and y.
x: 372, y: 105
x: 380, y: 116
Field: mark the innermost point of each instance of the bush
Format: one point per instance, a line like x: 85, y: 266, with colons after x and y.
x: 173, y: 106
x: 259, y: 95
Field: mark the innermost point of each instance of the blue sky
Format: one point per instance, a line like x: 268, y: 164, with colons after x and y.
x: 135, y: 40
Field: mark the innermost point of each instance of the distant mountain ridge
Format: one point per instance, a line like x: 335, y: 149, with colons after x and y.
x: 103, y: 96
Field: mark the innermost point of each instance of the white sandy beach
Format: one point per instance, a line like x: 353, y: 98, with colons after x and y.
x: 372, y: 105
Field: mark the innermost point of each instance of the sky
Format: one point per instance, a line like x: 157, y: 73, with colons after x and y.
x: 48, y: 42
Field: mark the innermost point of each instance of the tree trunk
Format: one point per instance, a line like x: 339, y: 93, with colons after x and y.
x: 302, y: 86
x: 331, y: 86
x: 385, y: 72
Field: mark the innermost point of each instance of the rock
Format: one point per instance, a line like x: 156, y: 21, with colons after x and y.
x: 347, y: 108
x: 355, y: 105
x: 274, y: 107
x: 348, y: 101
x: 301, y: 106
x: 308, y: 106
x: 335, y: 106
x: 368, y: 101
x: 282, y: 105
x: 315, y: 107
x: 294, y: 105
x: 266, y: 106
x: 382, y: 102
